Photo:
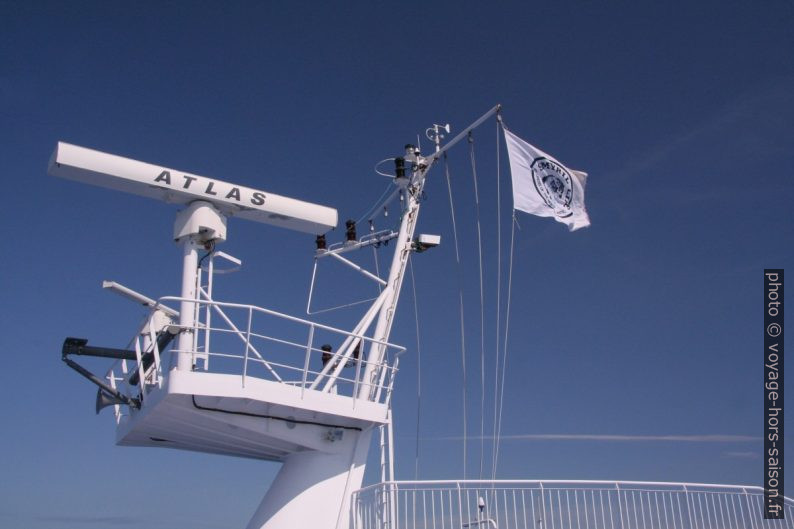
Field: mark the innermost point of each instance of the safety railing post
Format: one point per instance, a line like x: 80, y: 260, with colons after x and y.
x: 306, y: 360
x: 156, y: 353
x: 750, y: 510
x: 207, y: 327
x: 392, y: 373
x: 196, y: 326
x: 354, y: 510
x: 689, y: 509
x: 620, y: 505
x: 460, y: 502
x: 141, y: 373
x: 381, y: 493
x: 357, y: 377
x: 394, y: 511
x: 247, y: 344
x: 116, y: 407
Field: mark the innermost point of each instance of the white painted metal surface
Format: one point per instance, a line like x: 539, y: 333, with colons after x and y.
x: 259, y: 396
x: 313, y: 490
x: 245, y: 363
x: 200, y: 219
x: 178, y: 187
x: 562, y: 505
x: 135, y: 297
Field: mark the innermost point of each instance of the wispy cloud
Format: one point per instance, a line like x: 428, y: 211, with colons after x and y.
x: 770, y: 104
x: 95, y: 520
x: 717, y: 438
x: 741, y: 455
x: 109, y: 521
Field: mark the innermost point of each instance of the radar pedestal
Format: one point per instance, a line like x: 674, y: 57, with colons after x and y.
x: 198, y: 226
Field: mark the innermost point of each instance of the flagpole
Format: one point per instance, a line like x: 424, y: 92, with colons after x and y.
x: 465, y: 131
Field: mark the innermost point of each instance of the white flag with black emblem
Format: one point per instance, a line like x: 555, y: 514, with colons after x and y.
x: 543, y: 186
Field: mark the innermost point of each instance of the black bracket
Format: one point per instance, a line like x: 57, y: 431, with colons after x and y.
x: 78, y: 346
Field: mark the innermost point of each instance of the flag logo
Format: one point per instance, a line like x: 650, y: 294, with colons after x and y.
x: 553, y: 183
x: 543, y: 186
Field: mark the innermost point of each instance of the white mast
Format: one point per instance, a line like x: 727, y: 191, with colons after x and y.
x: 410, y: 189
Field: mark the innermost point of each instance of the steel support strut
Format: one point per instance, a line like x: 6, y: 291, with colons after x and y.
x: 78, y: 346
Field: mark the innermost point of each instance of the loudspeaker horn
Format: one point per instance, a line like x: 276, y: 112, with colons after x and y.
x: 103, y: 400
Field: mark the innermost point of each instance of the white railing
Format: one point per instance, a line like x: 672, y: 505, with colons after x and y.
x: 235, y: 338
x: 562, y: 505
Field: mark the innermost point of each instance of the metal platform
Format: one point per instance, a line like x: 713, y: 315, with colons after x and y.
x: 249, y: 394
x: 214, y: 413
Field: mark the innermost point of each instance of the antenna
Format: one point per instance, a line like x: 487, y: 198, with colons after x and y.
x: 178, y: 187
x: 200, y: 224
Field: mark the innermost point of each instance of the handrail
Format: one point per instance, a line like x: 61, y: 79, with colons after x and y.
x: 561, y: 504
x: 560, y: 482
x: 281, y: 315
x: 274, y: 354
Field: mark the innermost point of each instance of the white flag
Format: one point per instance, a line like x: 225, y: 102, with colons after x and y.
x: 543, y: 186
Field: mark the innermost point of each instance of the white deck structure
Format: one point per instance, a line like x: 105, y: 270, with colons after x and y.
x: 254, y: 395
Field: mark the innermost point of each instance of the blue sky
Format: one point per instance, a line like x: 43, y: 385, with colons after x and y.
x: 635, y: 346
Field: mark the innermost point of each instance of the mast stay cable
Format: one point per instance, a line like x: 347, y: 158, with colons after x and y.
x: 498, y: 287
x: 418, y: 369
x: 460, y: 296
x: 441, y: 151
x: 482, y: 304
x: 504, y: 343
x: 513, y: 224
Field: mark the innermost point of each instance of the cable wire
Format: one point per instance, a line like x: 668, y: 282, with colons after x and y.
x: 482, y: 304
x: 498, y: 289
x: 210, y: 248
x: 504, y: 343
x: 418, y: 369
x: 371, y: 211
x: 460, y: 295
x: 380, y: 163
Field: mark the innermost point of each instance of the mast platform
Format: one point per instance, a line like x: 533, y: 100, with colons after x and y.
x: 248, y: 394
x: 215, y: 413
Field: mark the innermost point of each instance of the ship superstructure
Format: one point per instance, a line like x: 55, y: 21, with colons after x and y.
x: 213, y: 376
